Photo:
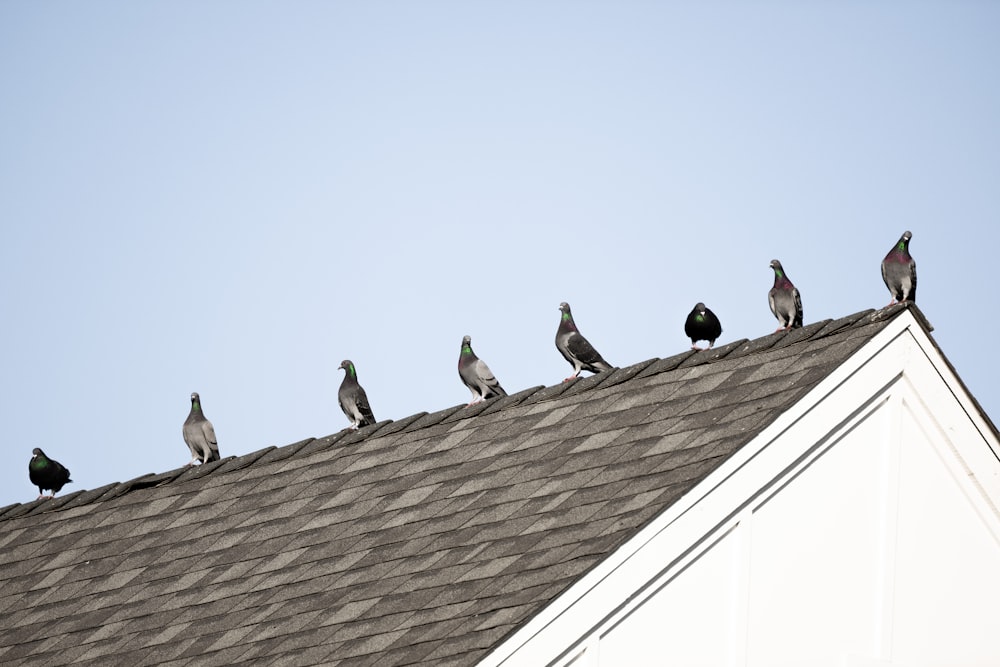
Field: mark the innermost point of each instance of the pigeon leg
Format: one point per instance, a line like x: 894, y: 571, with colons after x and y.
x: 710, y: 344
x: 696, y: 348
x: 40, y: 496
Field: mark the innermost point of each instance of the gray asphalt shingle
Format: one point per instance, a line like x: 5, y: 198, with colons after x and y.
x: 425, y: 540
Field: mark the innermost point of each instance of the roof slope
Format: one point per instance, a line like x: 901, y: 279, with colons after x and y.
x: 426, y: 540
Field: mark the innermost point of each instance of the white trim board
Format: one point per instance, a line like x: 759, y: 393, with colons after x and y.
x: 564, y: 632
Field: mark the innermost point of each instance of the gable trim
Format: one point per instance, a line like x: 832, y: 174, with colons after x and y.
x: 627, y: 575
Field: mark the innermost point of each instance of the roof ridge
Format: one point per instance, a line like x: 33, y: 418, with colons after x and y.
x: 537, y: 394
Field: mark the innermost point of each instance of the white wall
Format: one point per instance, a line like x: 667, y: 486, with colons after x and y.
x: 861, y: 529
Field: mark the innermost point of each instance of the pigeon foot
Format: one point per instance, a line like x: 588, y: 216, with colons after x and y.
x: 696, y: 348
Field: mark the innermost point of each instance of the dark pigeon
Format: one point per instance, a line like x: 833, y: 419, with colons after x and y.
x: 352, y: 397
x: 575, y: 348
x: 199, y: 434
x: 786, y: 304
x: 476, y: 375
x: 702, y: 324
x: 899, y: 271
x: 46, y: 473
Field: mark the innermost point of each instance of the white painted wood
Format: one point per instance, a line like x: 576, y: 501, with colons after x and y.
x: 888, y: 522
x: 946, y: 569
x: 688, y: 626
x: 814, y: 563
x: 861, y: 528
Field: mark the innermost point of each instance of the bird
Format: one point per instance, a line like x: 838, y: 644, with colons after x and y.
x: 352, y: 398
x: 786, y: 304
x: 476, y: 375
x: 199, y: 434
x: 46, y: 473
x: 899, y: 271
x: 576, y: 349
x: 702, y: 324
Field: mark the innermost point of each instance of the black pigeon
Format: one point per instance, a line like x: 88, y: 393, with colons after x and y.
x: 352, y: 397
x: 46, y: 473
x: 199, y: 434
x: 702, y: 324
x: 899, y: 271
x: 575, y: 348
x: 786, y: 304
x: 477, y: 375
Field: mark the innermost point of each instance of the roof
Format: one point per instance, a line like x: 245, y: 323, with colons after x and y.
x: 424, y: 540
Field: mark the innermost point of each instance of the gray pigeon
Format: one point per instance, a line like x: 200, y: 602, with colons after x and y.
x: 786, y: 304
x: 46, y: 473
x: 199, y: 434
x: 477, y: 375
x: 702, y: 324
x: 899, y: 271
x: 352, y: 397
x: 575, y: 348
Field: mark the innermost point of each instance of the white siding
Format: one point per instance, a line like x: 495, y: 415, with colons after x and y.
x: 686, y: 623
x: 861, y: 529
x: 947, y: 566
x: 814, y: 561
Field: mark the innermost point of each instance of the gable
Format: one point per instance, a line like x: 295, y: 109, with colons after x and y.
x: 859, y: 528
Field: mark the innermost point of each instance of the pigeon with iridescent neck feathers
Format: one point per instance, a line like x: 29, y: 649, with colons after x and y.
x: 199, y: 434
x: 46, y: 473
x: 476, y: 375
x: 702, y: 324
x: 899, y: 271
x: 784, y: 299
x: 353, y: 399
x: 576, y: 349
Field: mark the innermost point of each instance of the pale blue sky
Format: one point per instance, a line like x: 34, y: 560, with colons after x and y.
x: 232, y: 197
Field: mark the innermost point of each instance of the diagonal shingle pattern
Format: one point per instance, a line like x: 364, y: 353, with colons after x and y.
x: 426, y: 540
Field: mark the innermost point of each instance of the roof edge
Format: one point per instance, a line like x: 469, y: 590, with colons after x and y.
x: 537, y: 394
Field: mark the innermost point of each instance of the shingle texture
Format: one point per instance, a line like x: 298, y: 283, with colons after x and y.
x: 427, y: 540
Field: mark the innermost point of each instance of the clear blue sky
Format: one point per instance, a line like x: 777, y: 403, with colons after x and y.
x: 232, y: 197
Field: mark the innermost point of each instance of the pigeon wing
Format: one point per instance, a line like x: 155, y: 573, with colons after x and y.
x: 211, y: 443
x: 582, y: 350
x: 487, y: 382
x: 361, y: 402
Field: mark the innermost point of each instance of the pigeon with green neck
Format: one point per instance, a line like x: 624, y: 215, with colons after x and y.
x: 899, y: 271
x: 199, y: 434
x: 784, y: 299
x: 46, y: 473
x: 576, y: 349
x: 476, y: 375
x: 353, y: 399
x: 702, y: 324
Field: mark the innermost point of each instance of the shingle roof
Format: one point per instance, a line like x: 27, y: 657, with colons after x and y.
x: 424, y: 540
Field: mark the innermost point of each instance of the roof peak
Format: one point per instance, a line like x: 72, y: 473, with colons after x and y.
x: 537, y: 394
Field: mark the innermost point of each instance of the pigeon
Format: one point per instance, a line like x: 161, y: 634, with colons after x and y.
x: 476, y: 375
x: 575, y: 348
x: 199, y: 434
x: 786, y: 304
x: 46, y: 473
x: 702, y: 324
x: 352, y: 397
x: 899, y: 271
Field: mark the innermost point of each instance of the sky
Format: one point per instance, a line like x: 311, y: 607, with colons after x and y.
x: 231, y: 197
